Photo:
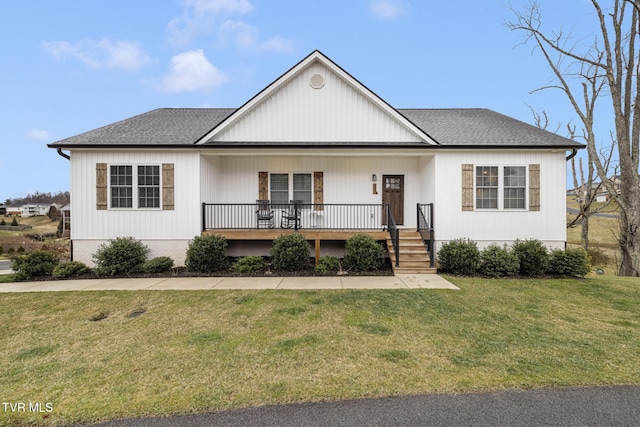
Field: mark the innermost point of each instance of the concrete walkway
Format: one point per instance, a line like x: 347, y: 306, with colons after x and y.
x: 401, y: 281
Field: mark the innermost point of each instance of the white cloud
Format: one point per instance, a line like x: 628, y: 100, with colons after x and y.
x: 200, y: 16
x: 101, y: 54
x: 246, y: 36
x: 38, y: 135
x: 191, y: 71
x: 387, y: 9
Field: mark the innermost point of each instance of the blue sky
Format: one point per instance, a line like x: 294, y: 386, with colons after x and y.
x: 70, y: 66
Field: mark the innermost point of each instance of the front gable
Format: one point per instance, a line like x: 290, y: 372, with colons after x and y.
x: 317, y: 101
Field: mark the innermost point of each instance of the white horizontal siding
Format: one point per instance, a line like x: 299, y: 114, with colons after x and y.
x: 296, y: 112
x: 181, y: 223
x: 547, y: 225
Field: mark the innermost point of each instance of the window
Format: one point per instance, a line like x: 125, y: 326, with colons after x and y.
x: 279, y: 188
x: 121, y: 186
x: 515, y: 183
x: 302, y: 189
x: 511, y: 194
x: 486, y: 187
x: 281, y: 192
x: 148, y: 186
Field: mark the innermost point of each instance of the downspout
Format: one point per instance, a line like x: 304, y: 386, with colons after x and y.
x: 569, y: 157
x: 66, y: 156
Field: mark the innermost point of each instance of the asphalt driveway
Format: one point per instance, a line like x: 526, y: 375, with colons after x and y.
x: 567, y: 407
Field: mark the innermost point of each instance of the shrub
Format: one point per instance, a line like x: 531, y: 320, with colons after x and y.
x: 598, y: 257
x: 249, y: 264
x: 21, y: 250
x: 120, y: 256
x: 1, y: 250
x: 14, y: 222
x: 69, y: 269
x: 159, y: 264
x: 459, y: 256
x: 570, y: 262
x: 206, y: 254
x: 496, y: 261
x: 290, y: 252
x: 3, y: 222
x: 533, y: 257
x: 327, y: 264
x: 10, y: 251
x: 363, y: 253
x: 36, y: 263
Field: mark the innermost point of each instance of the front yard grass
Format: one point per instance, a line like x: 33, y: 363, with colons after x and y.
x: 102, y: 355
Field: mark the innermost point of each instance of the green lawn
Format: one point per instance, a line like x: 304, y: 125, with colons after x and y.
x: 193, y: 351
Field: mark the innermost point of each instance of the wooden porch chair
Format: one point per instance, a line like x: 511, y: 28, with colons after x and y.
x: 292, y: 216
x: 264, y: 214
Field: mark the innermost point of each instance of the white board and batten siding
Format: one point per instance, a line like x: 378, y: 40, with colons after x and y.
x: 504, y: 226
x: 346, y: 179
x: 166, y: 232
x: 298, y: 112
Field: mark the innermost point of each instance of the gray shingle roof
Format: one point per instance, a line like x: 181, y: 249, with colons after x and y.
x: 449, y: 127
x: 481, y: 127
x: 162, y: 127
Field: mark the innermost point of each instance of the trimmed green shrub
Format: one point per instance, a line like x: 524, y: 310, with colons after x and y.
x: 1, y: 250
x: 290, y: 252
x: 459, y: 256
x: 533, y: 257
x: 35, y: 263
x: 363, y: 253
x: 3, y: 222
x: 496, y: 261
x: 69, y: 269
x: 14, y: 222
x: 11, y: 250
x: 120, y: 256
x: 327, y: 264
x: 206, y: 254
x: 158, y: 264
x: 21, y: 250
x: 569, y: 263
x: 249, y: 264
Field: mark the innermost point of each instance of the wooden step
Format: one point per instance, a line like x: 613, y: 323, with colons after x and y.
x: 413, y: 256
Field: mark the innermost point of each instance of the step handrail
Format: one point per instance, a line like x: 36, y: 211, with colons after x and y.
x: 426, y: 227
x: 394, y: 234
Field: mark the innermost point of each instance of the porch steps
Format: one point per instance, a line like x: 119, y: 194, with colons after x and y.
x: 414, y: 258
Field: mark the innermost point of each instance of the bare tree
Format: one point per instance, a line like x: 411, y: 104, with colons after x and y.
x: 606, y: 69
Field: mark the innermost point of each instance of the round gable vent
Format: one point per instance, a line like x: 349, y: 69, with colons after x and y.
x: 316, y: 81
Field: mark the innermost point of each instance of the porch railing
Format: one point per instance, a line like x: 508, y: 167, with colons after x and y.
x: 394, y: 234
x: 293, y: 215
x: 425, y: 228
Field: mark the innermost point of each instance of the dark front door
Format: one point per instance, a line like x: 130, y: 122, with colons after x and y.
x: 393, y: 194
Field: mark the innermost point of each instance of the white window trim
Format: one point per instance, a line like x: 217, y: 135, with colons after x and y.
x: 501, y: 207
x: 290, y: 182
x: 134, y: 183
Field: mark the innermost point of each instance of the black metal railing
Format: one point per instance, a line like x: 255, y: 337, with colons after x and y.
x: 425, y: 228
x: 394, y: 233
x: 293, y: 215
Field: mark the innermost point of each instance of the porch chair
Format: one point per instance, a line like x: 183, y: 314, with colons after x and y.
x: 264, y: 214
x: 292, y: 216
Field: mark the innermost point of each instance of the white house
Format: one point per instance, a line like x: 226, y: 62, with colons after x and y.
x: 35, y: 209
x: 319, y: 136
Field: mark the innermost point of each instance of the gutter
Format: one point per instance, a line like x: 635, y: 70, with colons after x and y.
x: 66, y: 156
x: 573, y: 154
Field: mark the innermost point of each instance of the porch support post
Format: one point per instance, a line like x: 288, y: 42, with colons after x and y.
x: 317, y: 251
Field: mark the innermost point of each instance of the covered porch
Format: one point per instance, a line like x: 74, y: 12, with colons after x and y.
x: 409, y: 248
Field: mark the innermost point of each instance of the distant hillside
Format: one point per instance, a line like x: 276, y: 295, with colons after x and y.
x: 61, y: 197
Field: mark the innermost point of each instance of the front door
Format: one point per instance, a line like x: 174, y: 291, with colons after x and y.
x: 393, y: 194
